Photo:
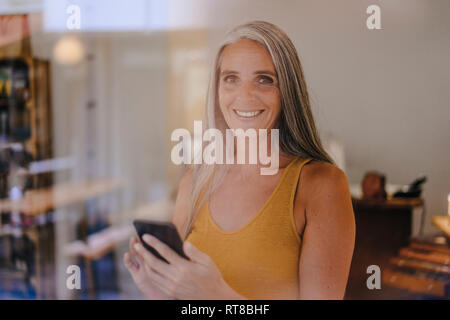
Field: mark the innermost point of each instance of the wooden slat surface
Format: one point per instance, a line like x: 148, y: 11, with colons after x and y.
x: 35, y: 202
x: 420, y: 265
x: 430, y: 256
x: 413, y: 283
x: 431, y: 247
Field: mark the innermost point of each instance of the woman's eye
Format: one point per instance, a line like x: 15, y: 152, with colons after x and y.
x: 229, y: 79
x: 265, y: 80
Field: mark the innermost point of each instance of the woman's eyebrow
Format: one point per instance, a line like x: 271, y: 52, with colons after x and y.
x: 269, y: 72
x: 265, y: 72
x: 225, y: 72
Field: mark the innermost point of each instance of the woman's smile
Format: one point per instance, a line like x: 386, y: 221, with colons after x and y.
x: 248, y: 115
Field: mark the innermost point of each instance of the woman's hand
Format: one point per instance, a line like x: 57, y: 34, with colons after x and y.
x: 139, y: 274
x: 198, y: 278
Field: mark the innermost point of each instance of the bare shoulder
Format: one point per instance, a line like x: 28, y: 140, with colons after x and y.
x: 318, y: 174
x: 322, y: 184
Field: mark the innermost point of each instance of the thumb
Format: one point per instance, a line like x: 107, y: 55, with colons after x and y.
x: 195, y: 254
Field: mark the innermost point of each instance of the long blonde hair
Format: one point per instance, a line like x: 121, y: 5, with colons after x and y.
x: 297, y: 131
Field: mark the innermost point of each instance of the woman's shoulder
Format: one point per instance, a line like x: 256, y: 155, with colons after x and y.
x: 322, y: 172
x: 321, y: 181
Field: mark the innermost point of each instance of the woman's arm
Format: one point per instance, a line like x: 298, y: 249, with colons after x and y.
x: 329, y: 233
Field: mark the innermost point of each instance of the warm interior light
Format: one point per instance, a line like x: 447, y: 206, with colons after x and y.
x: 68, y: 50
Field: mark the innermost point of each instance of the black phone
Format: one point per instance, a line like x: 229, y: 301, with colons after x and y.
x: 164, y: 231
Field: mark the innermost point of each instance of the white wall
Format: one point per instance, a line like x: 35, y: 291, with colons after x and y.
x: 383, y: 93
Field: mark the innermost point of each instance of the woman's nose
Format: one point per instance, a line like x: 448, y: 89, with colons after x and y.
x: 246, y: 92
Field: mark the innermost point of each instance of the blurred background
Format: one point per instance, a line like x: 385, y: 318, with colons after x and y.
x: 90, y: 92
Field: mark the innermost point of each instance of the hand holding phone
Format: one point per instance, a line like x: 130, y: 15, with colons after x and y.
x: 164, y: 231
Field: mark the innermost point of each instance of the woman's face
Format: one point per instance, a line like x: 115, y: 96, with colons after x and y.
x: 249, y: 96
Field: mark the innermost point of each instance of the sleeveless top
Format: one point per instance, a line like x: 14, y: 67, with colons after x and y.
x: 259, y: 260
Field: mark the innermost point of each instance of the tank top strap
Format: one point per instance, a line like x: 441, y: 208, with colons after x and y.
x: 288, y: 186
x: 296, y: 169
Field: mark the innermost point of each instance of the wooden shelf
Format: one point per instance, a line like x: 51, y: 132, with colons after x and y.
x: 422, y: 267
x: 39, y: 201
x: 99, y: 243
x: 414, y: 283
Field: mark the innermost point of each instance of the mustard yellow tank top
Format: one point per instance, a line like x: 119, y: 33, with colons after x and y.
x: 259, y: 260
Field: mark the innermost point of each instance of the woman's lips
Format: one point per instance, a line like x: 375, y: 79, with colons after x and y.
x: 248, y: 114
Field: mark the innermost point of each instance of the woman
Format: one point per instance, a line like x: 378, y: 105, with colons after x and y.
x: 253, y: 236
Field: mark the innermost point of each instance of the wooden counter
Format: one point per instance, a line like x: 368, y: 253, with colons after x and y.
x: 382, y: 228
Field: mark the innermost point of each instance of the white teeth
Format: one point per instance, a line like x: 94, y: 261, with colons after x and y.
x: 248, y: 114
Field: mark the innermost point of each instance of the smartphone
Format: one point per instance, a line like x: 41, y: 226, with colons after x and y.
x: 164, y: 231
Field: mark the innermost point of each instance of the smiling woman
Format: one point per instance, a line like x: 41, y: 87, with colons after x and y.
x: 253, y: 236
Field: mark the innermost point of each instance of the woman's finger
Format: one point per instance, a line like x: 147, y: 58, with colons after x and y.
x: 134, y: 254
x: 155, y: 263
x: 195, y: 254
x: 138, y: 258
x: 161, y: 281
x: 164, y: 250
x: 133, y: 240
x: 129, y: 263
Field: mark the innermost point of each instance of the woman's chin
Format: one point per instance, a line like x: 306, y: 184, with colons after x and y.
x: 246, y: 124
